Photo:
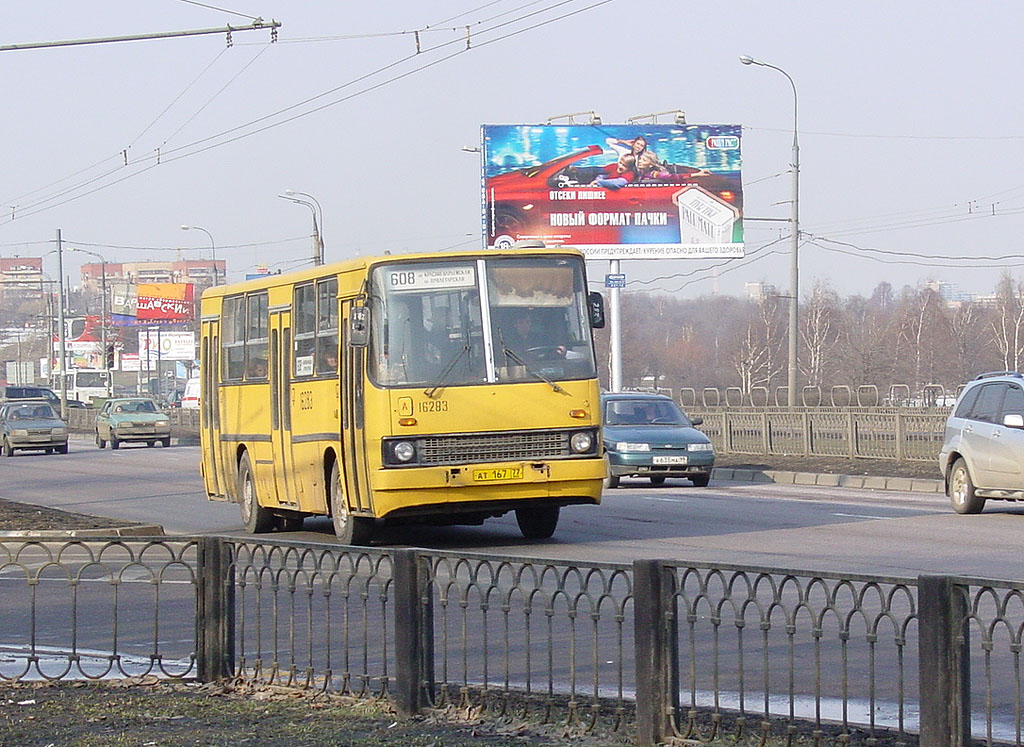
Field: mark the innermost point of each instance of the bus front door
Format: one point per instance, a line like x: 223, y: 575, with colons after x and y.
x: 353, y: 420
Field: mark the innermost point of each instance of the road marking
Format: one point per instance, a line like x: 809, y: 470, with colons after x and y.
x: 864, y: 516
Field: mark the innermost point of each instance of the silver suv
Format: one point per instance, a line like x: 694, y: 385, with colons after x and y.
x: 982, y: 452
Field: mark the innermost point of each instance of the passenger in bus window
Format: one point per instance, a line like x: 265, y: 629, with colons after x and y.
x: 327, y: 361
x: 257, y: 369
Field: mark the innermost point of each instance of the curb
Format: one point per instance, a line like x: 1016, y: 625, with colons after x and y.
x: 863, y: 482
x: 140, y: 530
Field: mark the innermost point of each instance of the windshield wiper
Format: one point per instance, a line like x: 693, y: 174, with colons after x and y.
x: 535, y: 374
x: 439, y: 382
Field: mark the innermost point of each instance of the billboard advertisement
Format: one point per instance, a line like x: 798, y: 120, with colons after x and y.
x: 643, y: 191
x: 148, y: 304
x: 164, y: 345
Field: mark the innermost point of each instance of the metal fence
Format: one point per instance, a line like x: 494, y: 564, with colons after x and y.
x: 877, y: 433
x: 654, y: 648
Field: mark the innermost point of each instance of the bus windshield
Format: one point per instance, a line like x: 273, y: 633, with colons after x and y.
x: 476, y: 321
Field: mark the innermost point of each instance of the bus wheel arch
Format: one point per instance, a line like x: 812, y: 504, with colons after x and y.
x: 350, y: 529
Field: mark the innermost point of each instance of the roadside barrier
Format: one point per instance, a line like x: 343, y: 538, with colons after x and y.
x: 656, y: 648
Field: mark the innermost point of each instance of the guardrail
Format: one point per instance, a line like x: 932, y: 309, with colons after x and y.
x: 889, y: 433
x: 659, y: 648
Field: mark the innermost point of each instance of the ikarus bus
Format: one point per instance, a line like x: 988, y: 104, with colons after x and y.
x: 402, y: 389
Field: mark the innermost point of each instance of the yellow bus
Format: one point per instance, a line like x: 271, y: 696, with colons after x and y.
x: 404, y: 389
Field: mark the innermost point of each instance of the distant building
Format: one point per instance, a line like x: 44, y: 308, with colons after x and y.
x: 759, y: 291
x: 21, y: 278
x: 201, y: 272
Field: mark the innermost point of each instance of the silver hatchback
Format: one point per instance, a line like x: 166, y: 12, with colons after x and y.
x: 982, y: 455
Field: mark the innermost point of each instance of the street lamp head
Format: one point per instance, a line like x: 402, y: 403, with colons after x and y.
x: 746, y: 59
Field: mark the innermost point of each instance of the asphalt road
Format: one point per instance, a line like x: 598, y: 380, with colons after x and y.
x: 809, y: 528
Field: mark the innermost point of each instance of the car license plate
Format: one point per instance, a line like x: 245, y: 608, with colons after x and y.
x: 499, y: 473
x: 669, y: 460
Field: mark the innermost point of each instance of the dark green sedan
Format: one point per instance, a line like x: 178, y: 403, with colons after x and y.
x: 132, y: 419
x: 647, y: 435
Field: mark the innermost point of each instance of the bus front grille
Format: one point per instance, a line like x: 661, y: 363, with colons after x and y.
x: 494, y: 447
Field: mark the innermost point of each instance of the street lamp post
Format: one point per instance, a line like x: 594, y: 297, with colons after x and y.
x: 213, y: 249
x: 104, y: 316
x: 318, y: 218
x: 794, y: 272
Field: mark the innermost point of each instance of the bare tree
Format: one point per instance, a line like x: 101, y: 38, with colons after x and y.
x: 819, y: 333
x: 1008, y: 325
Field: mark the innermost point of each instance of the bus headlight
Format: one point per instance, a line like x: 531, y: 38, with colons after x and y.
x: 403, y: 451
x: 581, y: 442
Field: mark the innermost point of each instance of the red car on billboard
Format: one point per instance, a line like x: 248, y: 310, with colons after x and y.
x: 562, y: 201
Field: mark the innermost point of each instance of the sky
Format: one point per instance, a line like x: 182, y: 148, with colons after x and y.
x: 910, y: 128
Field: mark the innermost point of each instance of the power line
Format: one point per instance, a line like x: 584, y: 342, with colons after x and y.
x: 184, y: 150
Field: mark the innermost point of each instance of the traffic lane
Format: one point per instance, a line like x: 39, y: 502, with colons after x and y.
x: 729, y: 522
x: 133, y: 484
x: 810, y: 529
x: 726, y: 522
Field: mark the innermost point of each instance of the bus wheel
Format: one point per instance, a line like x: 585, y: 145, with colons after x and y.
x: 256, y: 518
x: 351, y: 530
x: 537, y: 523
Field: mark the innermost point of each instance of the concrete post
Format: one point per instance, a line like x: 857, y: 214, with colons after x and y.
x: 215, y: 611
x: 414, y: 634
x: 944, y: 665
x: 655, y: 645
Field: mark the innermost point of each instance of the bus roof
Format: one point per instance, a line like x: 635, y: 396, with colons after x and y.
x: 363, y: 264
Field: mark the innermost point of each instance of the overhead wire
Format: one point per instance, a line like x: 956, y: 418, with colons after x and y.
x: 221, y: 139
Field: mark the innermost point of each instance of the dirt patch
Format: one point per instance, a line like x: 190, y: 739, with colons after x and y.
x: 147, y: 711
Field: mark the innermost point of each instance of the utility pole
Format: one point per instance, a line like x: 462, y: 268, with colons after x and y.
x: 62, y: 365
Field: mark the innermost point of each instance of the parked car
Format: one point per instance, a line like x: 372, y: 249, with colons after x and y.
x: 648, y: 435
x: 982, y: 454
x: 31, y: 424
x: 132, y: 419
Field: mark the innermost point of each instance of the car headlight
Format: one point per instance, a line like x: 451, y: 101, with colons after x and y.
x: 19, y: 432
x: 58, y: 431
x: 122, y: 425
x: 403, y: 451
x: 581, y: 442
x: 630, y: 446
x: 163, y: 423
x: 700, y: 447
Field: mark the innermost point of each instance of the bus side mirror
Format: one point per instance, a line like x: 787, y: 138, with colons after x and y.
x: 359, y: 326
x: 596, y: 302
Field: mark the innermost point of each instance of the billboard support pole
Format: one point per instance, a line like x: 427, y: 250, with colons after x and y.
x: 615, y: 366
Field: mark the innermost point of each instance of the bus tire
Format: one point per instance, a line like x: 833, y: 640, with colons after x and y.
x: 350, y: 530
x: 537, y: 523
x: 256, y: 518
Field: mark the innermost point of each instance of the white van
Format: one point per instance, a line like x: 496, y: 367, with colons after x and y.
x: 190, y: 399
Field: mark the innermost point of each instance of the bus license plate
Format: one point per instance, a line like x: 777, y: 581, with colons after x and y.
x: 499, y: 473
x: 669, y: 460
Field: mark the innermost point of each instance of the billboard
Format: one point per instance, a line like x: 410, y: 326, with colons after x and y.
x: 148, y: 304
x: 641, y: 191
x: 164, y: 345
